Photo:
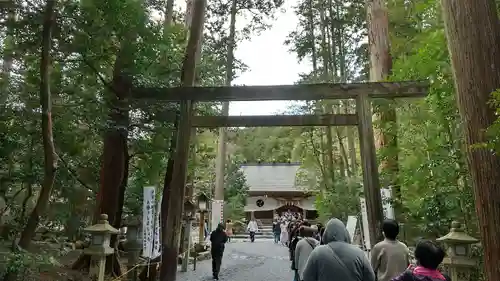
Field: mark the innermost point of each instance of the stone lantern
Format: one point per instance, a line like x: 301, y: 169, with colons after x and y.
x: 202, y: 209
x: 189, y: 210
x: 458, y: 260
x: 99, y: 246
x: 133, y: 245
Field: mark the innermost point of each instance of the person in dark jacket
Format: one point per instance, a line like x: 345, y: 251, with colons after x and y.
x: 296, y: 237
x: 218, y: 239
x: 276, y: 231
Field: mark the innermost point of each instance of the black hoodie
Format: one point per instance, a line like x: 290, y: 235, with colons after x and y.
x: 218, y: 238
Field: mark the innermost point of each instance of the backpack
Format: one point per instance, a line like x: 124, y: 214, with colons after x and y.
x: 409, y: 276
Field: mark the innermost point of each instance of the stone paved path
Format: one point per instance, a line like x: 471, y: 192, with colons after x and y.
x: 245, y: 261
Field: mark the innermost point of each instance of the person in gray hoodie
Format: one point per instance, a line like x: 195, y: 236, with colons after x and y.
x: 337, y: 259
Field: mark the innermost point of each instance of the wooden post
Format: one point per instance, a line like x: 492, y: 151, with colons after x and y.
x: 371, y: 182
x: 168, y: 270
x: 201, y: 231
x: 187, y: 245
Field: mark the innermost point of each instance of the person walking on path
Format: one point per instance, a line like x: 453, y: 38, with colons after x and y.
x: 229, y: 230
x: 218, y: 239
x: 429, y: 256
x: 338, y: 259
x: 252, y: 228
x: 284, y: 233
x: 303, y: 250
x: 389, y: 258
x: 276, y: 231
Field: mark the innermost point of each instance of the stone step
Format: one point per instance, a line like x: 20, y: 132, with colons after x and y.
x: 261, y: 233
x: 246, y: 236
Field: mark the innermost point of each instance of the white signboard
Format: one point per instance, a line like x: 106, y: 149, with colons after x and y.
x: 352, y: 222
x: 386, y: 195
x: 364, y: 219
x: 156, y: 238
x: 148, y: 218
x: 217, y: 213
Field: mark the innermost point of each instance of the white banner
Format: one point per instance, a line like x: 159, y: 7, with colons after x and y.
x: 352, y: 223
x: 364, y: 219
x: 156, y: 238
x: 148, y: 218
x: 386, y: 195
x: 217, y: 213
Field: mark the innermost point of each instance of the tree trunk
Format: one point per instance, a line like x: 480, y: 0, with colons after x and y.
x: 164, y: 206
x: 8, y: 60
x: 350, y: 143
x: 473, y: 33
x: 333, y: 39
x: 169, y: 13
x: 380, y: 69
x: 324, y: 46
x: 50, y: 159
x: 115, y: 157
x: 176, y: 197
x: 221, y: 152
x: 314, y: 55
x: 115, y: 149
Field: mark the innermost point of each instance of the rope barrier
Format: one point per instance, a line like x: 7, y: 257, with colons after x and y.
x: 149, y: 263
x: 137, y: 265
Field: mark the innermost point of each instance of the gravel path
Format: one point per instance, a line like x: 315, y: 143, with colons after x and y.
x: 245, y: 261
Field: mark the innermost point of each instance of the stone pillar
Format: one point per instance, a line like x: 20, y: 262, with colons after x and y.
x: 459, y: 262
x: 187, y: 246
x: 97, y: 267
x: 252, y: 215
x: 133, y: 246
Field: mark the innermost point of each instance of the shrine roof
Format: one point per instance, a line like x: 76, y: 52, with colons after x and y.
x: 272, y: 177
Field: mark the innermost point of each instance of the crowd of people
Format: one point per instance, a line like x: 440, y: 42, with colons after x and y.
x: 325, y: 253
x: 286, y: 224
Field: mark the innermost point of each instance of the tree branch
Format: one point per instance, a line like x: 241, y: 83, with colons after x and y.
x: 74, y: 174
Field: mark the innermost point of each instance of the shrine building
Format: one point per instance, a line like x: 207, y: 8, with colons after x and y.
x: 273, y: 189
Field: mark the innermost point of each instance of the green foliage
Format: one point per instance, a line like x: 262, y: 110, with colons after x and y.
x: 434, y: 177
x: 494, y: 131
x: 88, y: 38
x: 26, y: 264
x: 340, y: 201
x: 433, y: 174
x: 235, y: 192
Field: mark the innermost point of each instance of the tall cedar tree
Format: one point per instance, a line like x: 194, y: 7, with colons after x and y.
x: 473, y: 33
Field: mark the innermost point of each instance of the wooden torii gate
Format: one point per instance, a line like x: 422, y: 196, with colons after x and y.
x: 361, y: 92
